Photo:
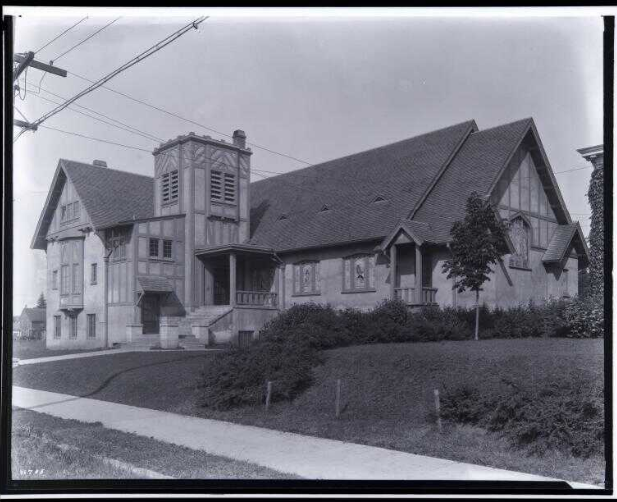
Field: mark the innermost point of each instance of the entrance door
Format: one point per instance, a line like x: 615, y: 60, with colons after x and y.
x: 220, y: 277
x: 150, y: 314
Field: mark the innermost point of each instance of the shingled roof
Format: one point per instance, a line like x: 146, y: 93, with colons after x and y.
x: 563, y: 238
x: 34, y: 314
x: 109, y: 196
x: 335, y: 202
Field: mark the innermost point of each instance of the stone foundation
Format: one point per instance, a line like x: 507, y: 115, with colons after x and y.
x: 169, y: 333
x: 133, y: 332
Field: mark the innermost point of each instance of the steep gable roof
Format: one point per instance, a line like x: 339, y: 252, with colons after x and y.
x: 563, y: 237
x: 34, y: 314
x: 109, y: 196
x: 474, y: 168
x: 400, y: 172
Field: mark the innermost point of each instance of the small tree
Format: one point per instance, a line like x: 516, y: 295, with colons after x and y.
x: 478, y: 241
x: 41, y: 302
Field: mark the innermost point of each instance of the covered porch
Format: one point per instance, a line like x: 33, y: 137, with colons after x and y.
x: 411, y: 266
x: 239, y: 275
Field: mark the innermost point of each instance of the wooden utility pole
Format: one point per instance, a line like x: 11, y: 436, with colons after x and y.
x: 24, y: 61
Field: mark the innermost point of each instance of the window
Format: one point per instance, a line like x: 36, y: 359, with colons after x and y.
x: 91, y: 325
x: 245, y: 338
x: 154, y: 248
x: 73, y: 327
x: 167, y: 249
x: 119, y: 248
x: 76, y: 281
x: 76, y: 209
x: 54, y: 279
x: 57, y: 326
x: 169, y: 187
x: 64, y: 280
x: 306, y: 278
x: 93, y: 273
x: 519, y: 234
x: 223, y: 187
x: 63, y: 213
x: 359, y: 273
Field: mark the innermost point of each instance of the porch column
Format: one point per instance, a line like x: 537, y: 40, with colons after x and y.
x: 419, y: 292
x: 393, y: 256
x: 232, y: 279
x: 208, y: 284
x: 282, y: 287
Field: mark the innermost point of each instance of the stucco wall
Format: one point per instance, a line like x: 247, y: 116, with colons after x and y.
x: 331, y: 278
x: 92, y: 303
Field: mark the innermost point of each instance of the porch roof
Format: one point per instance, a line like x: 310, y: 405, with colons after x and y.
x: 154, y: 284
x: 235, y: 248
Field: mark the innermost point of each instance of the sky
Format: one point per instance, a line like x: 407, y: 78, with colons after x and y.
x: 313, y: 88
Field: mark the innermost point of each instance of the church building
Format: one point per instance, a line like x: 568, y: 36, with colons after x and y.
x: 198, y: 255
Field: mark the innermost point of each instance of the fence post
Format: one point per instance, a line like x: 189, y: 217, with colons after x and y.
x: 268, y: 394
x: 337, y: 402
x: 437, y: 409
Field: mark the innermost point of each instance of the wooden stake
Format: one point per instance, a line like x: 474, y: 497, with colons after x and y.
x: 437, y: 409
x: 268, y: 394
x: 337, y: 402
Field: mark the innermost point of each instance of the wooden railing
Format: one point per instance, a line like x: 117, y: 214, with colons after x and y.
x: 428, y: 295
x: 408, y: 295
x: 257, y: 298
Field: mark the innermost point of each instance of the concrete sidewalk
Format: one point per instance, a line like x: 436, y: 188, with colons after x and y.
x: 306, y: 456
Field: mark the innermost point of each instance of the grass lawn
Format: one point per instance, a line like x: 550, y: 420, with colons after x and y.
x: 36, y: 454
x: 387, y: 394
x: 30, y: 349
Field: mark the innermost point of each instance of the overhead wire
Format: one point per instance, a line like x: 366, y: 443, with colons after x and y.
x: 140, y: 57
x: 84, y: 40
x: 60, y: 35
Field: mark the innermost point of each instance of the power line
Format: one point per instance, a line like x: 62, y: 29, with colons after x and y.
x: 172, y: 114
x: 61, y: 34
x: 121, y: 125
x: 148, y: 52
x: 84, y: 40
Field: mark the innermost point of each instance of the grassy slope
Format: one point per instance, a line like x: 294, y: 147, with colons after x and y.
x: 35, y: 436
x: 387, y: 394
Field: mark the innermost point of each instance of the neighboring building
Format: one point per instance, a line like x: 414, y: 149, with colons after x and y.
x: 595, y: 278
x: 32, y: 323
x: 200, y: 247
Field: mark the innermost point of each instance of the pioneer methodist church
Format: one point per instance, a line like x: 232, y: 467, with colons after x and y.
x: 201, y: 253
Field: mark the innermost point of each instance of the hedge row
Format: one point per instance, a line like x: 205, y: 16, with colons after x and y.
x: 289, y: 345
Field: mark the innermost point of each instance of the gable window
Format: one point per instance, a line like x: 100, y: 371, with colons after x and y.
x: 359, y: 273
x: 154, y: 248
x: 63, y: 213
x: 519, y: 234
x: 54, y: 279
x: 223, y: 187
x: 57, y: 326
x: 76, y: 209
x: 167, y: 249
x: 306, y: 278
x: 91, y: 325
x: 169, y: 187
x: 93, y: 273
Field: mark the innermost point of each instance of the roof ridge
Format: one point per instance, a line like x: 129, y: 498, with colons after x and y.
x: 366, y: 151
x: 527, y: 119
x: 107, y: 168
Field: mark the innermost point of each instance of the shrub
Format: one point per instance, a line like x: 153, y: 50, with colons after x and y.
x: 584, y: 318
x: 238, y: 377
x: 566, y: 414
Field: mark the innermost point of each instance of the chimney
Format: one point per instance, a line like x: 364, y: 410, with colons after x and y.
x: 99, y: 163
x: 239, y: 138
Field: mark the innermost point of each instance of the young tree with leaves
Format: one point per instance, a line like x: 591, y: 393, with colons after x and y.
x: 478, y: 241
x: 41, y: 302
